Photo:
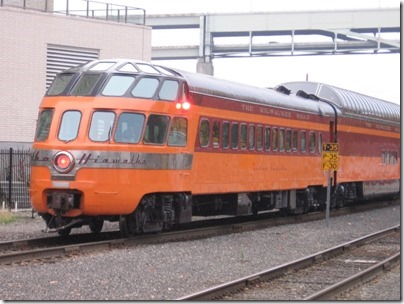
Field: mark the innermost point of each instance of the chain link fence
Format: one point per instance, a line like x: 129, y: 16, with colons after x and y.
x: 15, y: 170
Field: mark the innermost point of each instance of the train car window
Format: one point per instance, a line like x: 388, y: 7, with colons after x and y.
x: 163, y: 70
x: 225, y: 135
x: 267, y: 138
x: 129, y: 128
x: 101, y: 125
x: 145, y: 88
x: 117, y: 85
x: 156, y: 129
x: 274, y: 139
x: 102, y: 66
x: 288, y: 141
x: 44, y: 123
x: 128, y: 68
x: 294, y: 140
x: 303, y: 141
x: 320, y: 143
x: 281, y: 135
x: 312, y: 142
x: 177, y: 135
x: 259, y: 138
x: 169, y: 90
x: 234, y: 135
x: 204, y: 133
x: 60, y: 84
x: 251, y: 137
x: 215, y: 134
x: 69, y: 126
x: 243, y: 136
x: 147, y: 68
x: 85, y: 85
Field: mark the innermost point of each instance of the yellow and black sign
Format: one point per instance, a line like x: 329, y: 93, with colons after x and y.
x: 330, y: 156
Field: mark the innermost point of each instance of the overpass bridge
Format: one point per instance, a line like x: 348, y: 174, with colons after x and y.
x: 280, y: 34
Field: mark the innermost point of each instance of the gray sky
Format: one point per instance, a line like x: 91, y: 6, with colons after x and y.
x: 374, y: 75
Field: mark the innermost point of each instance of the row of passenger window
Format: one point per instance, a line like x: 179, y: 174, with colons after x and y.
x: 239, y: 135
x: 129, y: 127
x: 117, y: 85
x: 389, y: 157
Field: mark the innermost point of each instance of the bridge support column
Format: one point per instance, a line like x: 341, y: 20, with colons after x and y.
x: 204, y: 67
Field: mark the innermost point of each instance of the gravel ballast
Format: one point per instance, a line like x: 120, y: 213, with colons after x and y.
x: 172, y: 270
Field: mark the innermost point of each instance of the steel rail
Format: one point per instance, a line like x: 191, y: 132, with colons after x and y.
x: 220, y: 290
x: 180, y: 235
x: 363, y: 276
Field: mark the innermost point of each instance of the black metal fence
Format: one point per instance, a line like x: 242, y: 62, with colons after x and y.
x: 15, y: 170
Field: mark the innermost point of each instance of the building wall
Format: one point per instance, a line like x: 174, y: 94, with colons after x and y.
x: 24, y: 37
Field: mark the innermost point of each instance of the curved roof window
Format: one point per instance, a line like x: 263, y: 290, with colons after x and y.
x: 146, y: 87
x: 102, y: 66
x: 128, y: 68
x: 147, y: 68
x: 117, y: 85
x: 169, y: 90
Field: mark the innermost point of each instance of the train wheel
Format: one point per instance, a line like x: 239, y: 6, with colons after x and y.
x: 64, y: 232
x: 127, y: 225
x: 96, y: 225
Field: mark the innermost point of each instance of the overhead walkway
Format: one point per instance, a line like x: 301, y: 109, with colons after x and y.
x: 282, y: 33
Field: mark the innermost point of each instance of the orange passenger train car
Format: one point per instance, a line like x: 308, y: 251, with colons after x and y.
x: 150, y: 147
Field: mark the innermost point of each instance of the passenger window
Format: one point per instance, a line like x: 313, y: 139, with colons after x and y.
x: 243, y: 136
x: 43, y: 126
x: 85, y: 85
x: 102, y: 66
x: 118, y: 85
x: 294, y: 140
x: 169, y: 90
x: 145, y: 88
x: 69, y: 127
x: 101, y: 125
x: 274, y: 139
x: 129, y: 128
x: 259, y: 138
x: 234, y: 136
x: 312, y: 142
x: 156, y: 129
x: 281, y: 140
x: 225, y: 135
x: 267, y: 138
x: 59, y: 84
x: 251, y: 137
x: 303, y: 141
x: 216, y: 134
x: 178, y: 132
x: 204, y: 133
x: 288, y: 141
x: 320, y: 143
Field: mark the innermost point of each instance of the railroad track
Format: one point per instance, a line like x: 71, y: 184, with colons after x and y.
x: 321, y: 276
x: 51, y: 248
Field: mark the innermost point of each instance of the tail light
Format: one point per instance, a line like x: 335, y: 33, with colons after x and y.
x: 63, y: 161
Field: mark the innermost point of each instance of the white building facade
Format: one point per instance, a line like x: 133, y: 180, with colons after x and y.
x: 35, y: 45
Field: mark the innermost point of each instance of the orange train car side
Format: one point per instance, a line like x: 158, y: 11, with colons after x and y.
x: 150, y: 147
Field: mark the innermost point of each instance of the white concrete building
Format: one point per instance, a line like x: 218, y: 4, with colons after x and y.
x: 34, y: 45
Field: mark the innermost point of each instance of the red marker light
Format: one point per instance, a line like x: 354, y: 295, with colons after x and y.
x: 63, y: 162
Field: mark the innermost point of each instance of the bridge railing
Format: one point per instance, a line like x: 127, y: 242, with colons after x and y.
x: 83, y: 8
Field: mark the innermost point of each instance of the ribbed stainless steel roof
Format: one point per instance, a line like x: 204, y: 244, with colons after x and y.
x: 350, y: 103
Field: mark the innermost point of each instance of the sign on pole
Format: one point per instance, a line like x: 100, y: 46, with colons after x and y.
x: 330, y: 156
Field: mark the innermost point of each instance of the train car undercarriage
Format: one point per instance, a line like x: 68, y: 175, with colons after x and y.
x: 160, y: 211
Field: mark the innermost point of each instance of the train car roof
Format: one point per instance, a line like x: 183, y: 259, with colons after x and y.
x: 209, y: 85
x: 351, y: 103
